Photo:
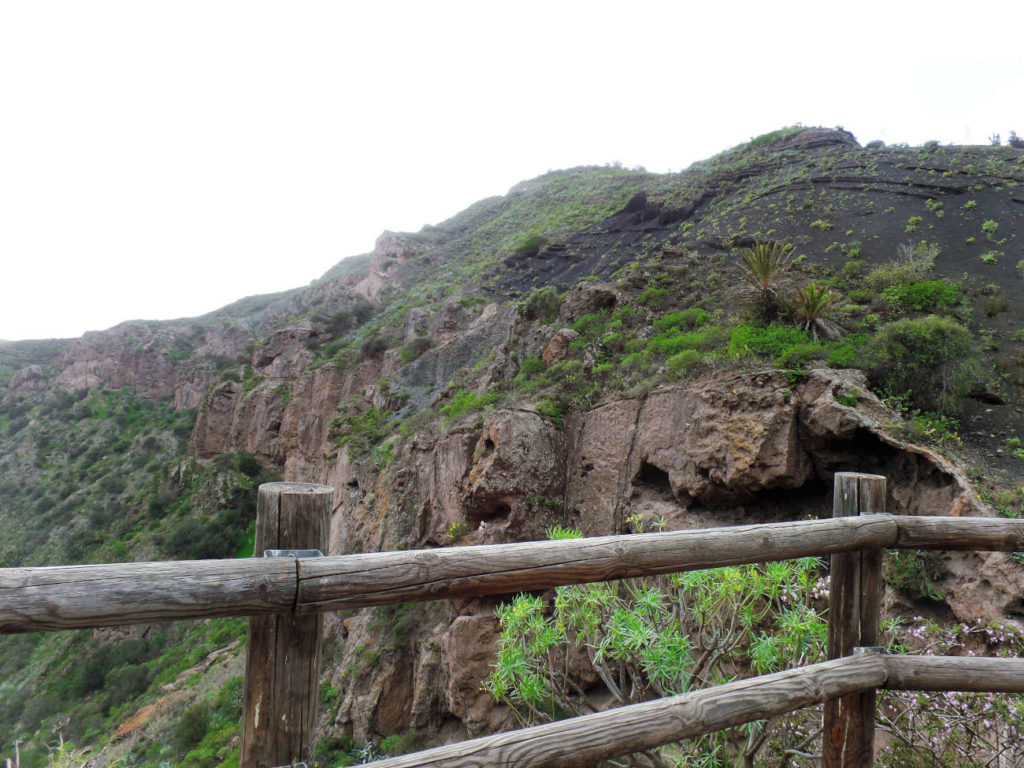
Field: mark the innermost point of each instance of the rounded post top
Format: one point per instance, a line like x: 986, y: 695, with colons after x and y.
x: 301, y: 488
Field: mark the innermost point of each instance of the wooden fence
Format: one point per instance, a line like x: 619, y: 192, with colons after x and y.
x: 286, y: 594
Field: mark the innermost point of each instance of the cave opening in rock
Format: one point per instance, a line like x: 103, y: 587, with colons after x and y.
x: 654, y: 479
x: 491, y: 514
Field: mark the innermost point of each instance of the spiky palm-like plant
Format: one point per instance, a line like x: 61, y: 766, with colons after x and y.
x: 765, y: 266
x: 812, y: 306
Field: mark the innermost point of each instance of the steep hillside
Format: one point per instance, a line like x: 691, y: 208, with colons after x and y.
x: 588, y: 351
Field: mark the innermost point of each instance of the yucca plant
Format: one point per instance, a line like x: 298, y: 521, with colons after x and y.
x: 765, y: 266
x: 812, y: 306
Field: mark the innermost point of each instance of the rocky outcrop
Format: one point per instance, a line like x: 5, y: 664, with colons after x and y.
x: 490, y: 330
x: 558, y: 347
x: 391, y: 253
x: 722, y: 450
x: 735, y: 442
x: 28, y: 380
x: 128, y: 356
x: 586, y: 299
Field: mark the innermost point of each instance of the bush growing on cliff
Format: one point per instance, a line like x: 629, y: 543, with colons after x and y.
x: 542, y: 304
x: 650, y: 638
x: 932, y: 358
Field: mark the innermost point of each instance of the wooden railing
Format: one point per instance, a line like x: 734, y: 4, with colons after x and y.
x: 287, y: 595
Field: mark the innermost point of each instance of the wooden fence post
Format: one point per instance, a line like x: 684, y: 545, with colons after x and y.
x: 854, y: 608
x: 283, y: 661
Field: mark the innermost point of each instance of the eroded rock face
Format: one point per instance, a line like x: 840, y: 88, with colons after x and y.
x: 29, y: 379
x: 490, y: 329
x: 558, y: 347
x: 741, y: 448
x: 586, y: 299
x: 390, y: 253
x: 735, y: 442
x: 128, y: 356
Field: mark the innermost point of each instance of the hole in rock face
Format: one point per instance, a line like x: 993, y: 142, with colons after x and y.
x: 491, y: 514
x: 353, y: 484
x: 1015, y: 610
x: 654, y: 479
x: 488, y: 446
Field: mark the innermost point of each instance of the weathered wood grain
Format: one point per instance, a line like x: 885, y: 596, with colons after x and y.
x: 283, y: 656
x: 83, y: 596
x: 353, y: 581
x: 991, y: 534
x: 854, y: 608
x: 584, y: 741
x: 954, y: 673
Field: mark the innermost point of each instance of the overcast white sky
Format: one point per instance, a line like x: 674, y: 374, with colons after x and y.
x: 162, y: 159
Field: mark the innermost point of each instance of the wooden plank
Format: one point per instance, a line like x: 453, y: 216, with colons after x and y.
x: 954, y: 673
x: 84, y: 596
x: 586, y: 740
x: 283, y: 662
x: 354, y: 581
x: 854, y: 607
x: 960, y: 533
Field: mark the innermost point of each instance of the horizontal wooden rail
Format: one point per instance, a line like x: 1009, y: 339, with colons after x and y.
x: 954, y: 673
x: 582, y: 741
x: 586, y: 740
x: 983, y: 534
x: 333, y: 583
x: 84, y: 596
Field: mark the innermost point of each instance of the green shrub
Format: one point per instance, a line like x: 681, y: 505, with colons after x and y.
x: 465, y: 402
x: 848, y: 352
x: 415, y: 348
x: 591, y: 327
x: 672, y: 343
x: 126, y: 683
x: 930, y: 357
x: 530, y: 246
x: 915, y: 572
x: 552, y: 410
x: 912, y: 264
x: 799, y: 355
x: 653, y: 297
x: 191, y: 727
x: 372, y: 346
x: 684, y: 360
x: 687, y: 319
x: 248, y: 465
x: 400, y: 744
x: 361, y: 431
x: 923, y: 296
x: 767, y: 341
x: 542, y: 304
x: 531, y: 367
